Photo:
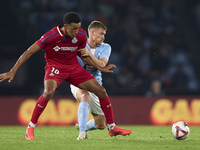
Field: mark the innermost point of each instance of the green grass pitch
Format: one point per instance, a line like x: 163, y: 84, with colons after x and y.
x: 64, y: 138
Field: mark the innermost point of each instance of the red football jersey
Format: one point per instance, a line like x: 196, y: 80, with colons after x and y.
x: 61, y: 50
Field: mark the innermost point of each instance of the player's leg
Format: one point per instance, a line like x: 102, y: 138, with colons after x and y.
x: 50, y: 86
x: 84, y: 80
x: 99, y: 122
x: 83, y: 113
x: 94, y: 87
x: 83, y: 98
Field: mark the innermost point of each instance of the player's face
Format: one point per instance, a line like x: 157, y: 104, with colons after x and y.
x: 72, y: 29
x: 99, y: 35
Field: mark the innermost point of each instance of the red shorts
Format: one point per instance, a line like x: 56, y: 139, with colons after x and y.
x: 75, y: 74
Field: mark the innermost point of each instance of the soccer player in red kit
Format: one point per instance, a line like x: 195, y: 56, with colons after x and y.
x: 61, y: 46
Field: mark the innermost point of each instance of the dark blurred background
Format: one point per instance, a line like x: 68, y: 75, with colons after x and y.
x: 151, y: 40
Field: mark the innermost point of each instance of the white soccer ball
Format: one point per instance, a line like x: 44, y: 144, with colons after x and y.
x: 180, y: 130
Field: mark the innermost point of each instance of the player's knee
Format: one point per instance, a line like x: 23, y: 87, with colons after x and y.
x: 102, y: 92
x: 102, y: 89
x: 84, y: 96
x: 48, y: 94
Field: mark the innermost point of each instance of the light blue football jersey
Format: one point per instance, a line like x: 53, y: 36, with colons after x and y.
x: 103, y: 50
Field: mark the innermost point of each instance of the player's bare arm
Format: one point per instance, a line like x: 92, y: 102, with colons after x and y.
x: 86, y: 53
x: 23, y: 58
x: 91, y: 62
x: 106, y: 69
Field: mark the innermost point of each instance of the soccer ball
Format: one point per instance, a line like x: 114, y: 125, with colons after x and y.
x: 180, y: 130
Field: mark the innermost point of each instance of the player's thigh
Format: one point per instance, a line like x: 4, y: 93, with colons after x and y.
x: 50, y: 85
x: 90, y: 85
x: 94, y: 87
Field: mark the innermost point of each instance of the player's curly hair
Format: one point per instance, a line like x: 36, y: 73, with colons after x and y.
x: 96, y: 24
x: 71, y: 17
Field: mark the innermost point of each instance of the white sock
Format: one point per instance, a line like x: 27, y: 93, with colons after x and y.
x: 31, y: 125
x: 111, y: 126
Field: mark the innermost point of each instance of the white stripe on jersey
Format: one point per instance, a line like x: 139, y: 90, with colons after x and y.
x: 59, y: 31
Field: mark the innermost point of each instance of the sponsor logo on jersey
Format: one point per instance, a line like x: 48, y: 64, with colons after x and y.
x: 72, y: 49
x: 57, y: 48
x: 51, y: 74
x: 74, y: 40
x: 89, y: 67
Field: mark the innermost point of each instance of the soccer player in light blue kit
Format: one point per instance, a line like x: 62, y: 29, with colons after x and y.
x: 99, y: 52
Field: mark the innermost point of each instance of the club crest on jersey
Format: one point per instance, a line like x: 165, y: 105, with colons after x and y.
x: 51, y: 74
x: 99, y: 53
x: 74, y: 40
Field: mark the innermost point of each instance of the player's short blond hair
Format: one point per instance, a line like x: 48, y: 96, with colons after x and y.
x: 96, y: 24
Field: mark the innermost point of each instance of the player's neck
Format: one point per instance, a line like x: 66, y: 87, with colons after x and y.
x: 92, y: 44
x: 63, y: 31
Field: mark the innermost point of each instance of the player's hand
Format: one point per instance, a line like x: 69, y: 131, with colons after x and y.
x: 84, y: 52
x: 7, y: 75
x: 107, y: 68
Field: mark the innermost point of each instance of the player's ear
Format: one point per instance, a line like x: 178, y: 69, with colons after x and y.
x: 92, y: 31
x: 66, y: 26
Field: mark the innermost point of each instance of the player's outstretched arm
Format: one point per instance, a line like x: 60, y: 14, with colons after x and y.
x: 10, y: 75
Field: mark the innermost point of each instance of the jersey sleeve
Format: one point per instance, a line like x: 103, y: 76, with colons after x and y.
x: 106, y: 52
x: 45, y: 39
x: 41, y: 42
